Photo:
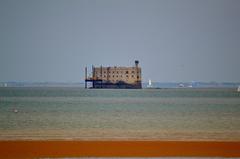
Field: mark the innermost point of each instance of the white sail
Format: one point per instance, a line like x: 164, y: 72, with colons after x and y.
x: 149, y: 83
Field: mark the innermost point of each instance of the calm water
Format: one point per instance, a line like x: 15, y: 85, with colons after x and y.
x: 147, y: 114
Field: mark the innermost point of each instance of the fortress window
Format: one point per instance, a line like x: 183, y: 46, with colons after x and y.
x: 132, y: 76
x: 104, y: 76
x: 132, y: 71
x: 117, y: 72
x: 104, y: 71
x: 117, y: 76
x: 137, y: 77
x: 126, y: 72
x: 126, y: 75
x: 113, y: 71
x: 113, y: 76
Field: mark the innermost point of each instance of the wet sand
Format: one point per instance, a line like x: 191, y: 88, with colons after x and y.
x: 35, y: 149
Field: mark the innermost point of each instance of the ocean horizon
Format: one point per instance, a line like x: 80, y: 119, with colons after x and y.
x: 154, y: 84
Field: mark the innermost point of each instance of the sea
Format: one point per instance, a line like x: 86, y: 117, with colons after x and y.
x: 74, y: 113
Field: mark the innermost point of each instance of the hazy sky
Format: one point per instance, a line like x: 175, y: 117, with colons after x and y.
x: 174, y: 40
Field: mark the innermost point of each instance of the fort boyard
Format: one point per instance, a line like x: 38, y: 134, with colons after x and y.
x: 115, y: 77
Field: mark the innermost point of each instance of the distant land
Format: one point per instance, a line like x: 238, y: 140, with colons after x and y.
x: 144, y: 84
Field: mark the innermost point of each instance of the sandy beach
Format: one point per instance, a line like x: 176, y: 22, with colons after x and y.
x: 35, y: 149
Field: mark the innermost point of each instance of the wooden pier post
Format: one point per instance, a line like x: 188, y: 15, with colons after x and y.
x: 85, y: 77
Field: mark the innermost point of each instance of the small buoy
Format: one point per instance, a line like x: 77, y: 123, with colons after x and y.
x: 15, y: 111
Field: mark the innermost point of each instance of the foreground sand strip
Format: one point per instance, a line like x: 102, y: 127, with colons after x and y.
x: 35, y: 149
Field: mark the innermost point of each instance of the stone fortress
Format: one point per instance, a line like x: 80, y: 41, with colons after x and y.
x: 115, y: 77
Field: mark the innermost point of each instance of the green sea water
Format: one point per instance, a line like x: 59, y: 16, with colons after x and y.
x: 145, y: 114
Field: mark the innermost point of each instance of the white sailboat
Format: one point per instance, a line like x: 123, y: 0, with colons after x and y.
x: 149, y: 83
x: 238, y: 90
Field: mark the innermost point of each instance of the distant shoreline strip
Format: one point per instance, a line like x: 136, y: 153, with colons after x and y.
x: 37, y: 149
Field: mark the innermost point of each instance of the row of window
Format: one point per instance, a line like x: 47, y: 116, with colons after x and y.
x: 104, y: 76
x: 114, y: 76
x: 117, y: 72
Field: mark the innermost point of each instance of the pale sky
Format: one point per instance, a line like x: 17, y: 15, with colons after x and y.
x: 174, y: 40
